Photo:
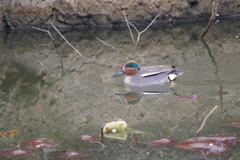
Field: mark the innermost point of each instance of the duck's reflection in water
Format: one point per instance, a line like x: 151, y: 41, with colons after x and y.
x: 134, y: 94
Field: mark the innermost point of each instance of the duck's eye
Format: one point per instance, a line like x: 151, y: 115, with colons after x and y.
x: 132, y: 65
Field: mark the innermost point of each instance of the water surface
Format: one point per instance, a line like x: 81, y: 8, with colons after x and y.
x: 48, y: 91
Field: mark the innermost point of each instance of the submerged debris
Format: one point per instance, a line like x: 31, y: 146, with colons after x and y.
x: 90, y: 138
x: 44, y: 143
x: 188, y: 97
x: 9, y: 133
x: 235, y: 124
x: 212, y: 145
x: 72, y: 155
x: 8, y: 153
x: 161, y: 142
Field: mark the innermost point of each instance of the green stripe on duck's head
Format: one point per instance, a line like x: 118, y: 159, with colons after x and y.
x: 129, y: 68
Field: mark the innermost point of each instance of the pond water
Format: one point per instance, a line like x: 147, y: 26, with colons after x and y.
x: 48, y: 91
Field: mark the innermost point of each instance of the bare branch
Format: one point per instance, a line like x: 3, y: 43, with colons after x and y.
x: 129, y: 27
x: 204, y: 121
x: 138, y: 38
x: 68, y: 42
x: 134, y: 27
x: 44, y: 31
x: 106, y: 43
x: 139, y: 33
x: 149, y: 24
x: 214, y: 11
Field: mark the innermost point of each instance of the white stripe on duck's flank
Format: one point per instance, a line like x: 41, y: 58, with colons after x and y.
x: 151, y: 93
x: 150, y: 74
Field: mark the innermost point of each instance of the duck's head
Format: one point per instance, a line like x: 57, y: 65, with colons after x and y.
x: 129, y: 68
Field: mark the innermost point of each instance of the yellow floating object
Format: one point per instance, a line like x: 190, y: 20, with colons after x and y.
x: 114, y: 126
x: 119, y: 136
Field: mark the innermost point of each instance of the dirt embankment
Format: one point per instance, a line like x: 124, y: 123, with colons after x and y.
x: 69, y: 13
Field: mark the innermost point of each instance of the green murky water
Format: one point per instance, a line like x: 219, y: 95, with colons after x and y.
x: 48, y: 91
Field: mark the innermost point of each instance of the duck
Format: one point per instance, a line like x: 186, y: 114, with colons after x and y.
x: 147, y: 75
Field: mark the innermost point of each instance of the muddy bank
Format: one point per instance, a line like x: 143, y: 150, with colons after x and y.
x: 68, y: 13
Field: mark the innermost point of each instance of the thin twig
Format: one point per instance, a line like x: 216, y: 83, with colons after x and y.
x: 139, y: 33
x: 69, y: 77
x: 106, y: 43
x: 68, y: 42
x: 129, y: 27
x: 44, y: 31
x: 150, y: 24
x: 214, y: 10
x: 134, y: 27
x: 204, y: 121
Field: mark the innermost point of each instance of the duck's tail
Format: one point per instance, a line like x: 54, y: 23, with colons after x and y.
x: 173, y: 74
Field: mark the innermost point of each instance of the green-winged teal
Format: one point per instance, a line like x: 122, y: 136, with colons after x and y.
x: 147, y: 75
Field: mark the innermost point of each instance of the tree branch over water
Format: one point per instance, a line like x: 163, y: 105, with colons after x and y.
x: 68, y: 42
x: 214, y: 11
x: 129, y: 27
x: 139, y: 33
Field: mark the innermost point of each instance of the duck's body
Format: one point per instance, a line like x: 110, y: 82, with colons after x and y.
x: 147, y: 75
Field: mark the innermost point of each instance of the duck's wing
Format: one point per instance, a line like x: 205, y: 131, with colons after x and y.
x: 147, y: 71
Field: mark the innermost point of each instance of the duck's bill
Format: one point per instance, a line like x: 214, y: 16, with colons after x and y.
x: 119, y: 73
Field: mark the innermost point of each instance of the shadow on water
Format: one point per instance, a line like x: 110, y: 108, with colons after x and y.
x: 40, y: 100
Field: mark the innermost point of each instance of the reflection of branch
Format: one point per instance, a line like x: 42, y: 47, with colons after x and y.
x: 214, y: 10
x: 106, y: 43
x: 44, y: 31
x: 139, y: 33
x: 97, y: 142
x: 68, y: 42
x: 204, y: 121
x: 204, y: 154
x: 69, y: 77
x: 216, y: 72
x: 97, y: 150
x: 103, y: 146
